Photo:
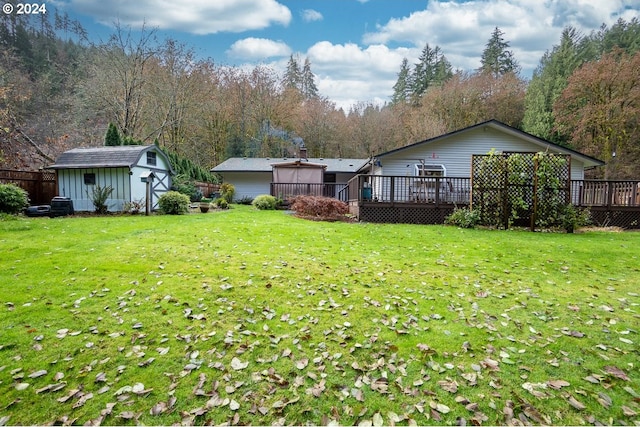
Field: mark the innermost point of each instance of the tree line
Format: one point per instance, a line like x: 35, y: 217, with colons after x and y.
x: 61, y: 90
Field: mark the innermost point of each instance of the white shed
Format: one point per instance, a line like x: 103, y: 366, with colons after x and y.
x: 125, y: 168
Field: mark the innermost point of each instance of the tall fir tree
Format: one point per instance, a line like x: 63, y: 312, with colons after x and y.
x: 496, y: 57
x: 402, y: 88
x: 293, y: 74
x: 309, y: 88
x: 433, y: 69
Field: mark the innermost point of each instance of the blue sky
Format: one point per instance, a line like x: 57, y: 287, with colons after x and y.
x: 355, y: 46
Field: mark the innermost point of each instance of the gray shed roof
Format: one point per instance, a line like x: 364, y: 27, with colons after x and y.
x: 262, y: 164
x: 102, y: 157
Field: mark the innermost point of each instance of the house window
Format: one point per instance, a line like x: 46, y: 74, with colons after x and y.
x: 430, y: 170
x: 89, y: 179
x: 151, y: 158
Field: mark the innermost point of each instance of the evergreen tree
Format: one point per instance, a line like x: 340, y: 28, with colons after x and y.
x: 402, y: 88
x: 625, y: 35
x: 293, y: 75
x: 309, y: 88
x: 548, y: 82
x: 496, y: 57
x: 112, y: 137
x: 433, y: 69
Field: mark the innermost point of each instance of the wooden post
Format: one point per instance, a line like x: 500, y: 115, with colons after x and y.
x: 148, y: 204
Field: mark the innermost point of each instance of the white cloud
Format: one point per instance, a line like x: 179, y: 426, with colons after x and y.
x: 256, y: 48
x: 310, y: 15
x: 462, y: 29
x: 196, y: 16
x: 347, y: 73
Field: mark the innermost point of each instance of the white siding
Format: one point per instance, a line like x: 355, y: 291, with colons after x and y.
x: 249, y: 184
x: 455, y: 153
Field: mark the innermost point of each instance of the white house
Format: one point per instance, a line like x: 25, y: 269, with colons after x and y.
x: 127, y: 169
x: 283, y: 177
x: 450, y: 154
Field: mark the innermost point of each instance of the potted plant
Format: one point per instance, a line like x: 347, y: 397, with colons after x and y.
x: 205, y: 204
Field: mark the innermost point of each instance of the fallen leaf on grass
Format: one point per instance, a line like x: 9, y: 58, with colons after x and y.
x: 302, y: 363
x: 37, y: 374
x: 450, y: 386
x: 238, y: 365
x: 51, y: 387
x: 604, y: 400
x: 83, y: 399
x: 377, y: 420
x: 440, y: 407
x: 68, y: 396
x: 616, y: 372
x: 574, y: 402
x: 557, y: 384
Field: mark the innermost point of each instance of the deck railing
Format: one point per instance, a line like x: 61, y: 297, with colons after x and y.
x: 287, y: 190
x: 605, y: 193
x: 410, y: 189
x: 457, y: 190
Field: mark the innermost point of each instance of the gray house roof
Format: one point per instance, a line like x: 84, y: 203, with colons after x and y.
x: 103, y: 157
x: 262, y: 164
x: 542, y: 143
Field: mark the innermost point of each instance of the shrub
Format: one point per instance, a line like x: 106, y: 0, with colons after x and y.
x: 573, y: 217
x: 246, y: 200
x: 320, y: 208
x: 134, y: 207
x: 227, y: 191
x: 13, y: 199
x: 265, y: 202
x: 463, y: 218
x: 221, y: 203
x: 99, y: 196
x: 183, y: 184
x: 174, y: 203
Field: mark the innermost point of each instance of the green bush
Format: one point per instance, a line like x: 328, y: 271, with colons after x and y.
x: 227, y: 191
x: 221, y: 203
x: 13, y: 199
x: 174, y: 203
x: 183, y: 184
x: 99, y: 196
x: 463, y: 218
x: 265, y: 202
x: 573, y: 217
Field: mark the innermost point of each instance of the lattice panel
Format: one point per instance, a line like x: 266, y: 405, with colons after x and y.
x: 624, y: 218
x: 406, y: 215
x: 508, y: 188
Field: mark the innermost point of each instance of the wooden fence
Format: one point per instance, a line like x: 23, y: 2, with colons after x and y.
x: 40, y: 185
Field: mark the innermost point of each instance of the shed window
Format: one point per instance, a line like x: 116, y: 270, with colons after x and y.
x: 430, y: 170
x: 151, y: 158
x: 89, y: 179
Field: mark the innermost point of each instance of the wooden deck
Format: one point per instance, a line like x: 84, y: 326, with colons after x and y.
x: 418, y: 200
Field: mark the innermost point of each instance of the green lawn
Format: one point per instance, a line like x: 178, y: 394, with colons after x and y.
x: 257, y: 317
